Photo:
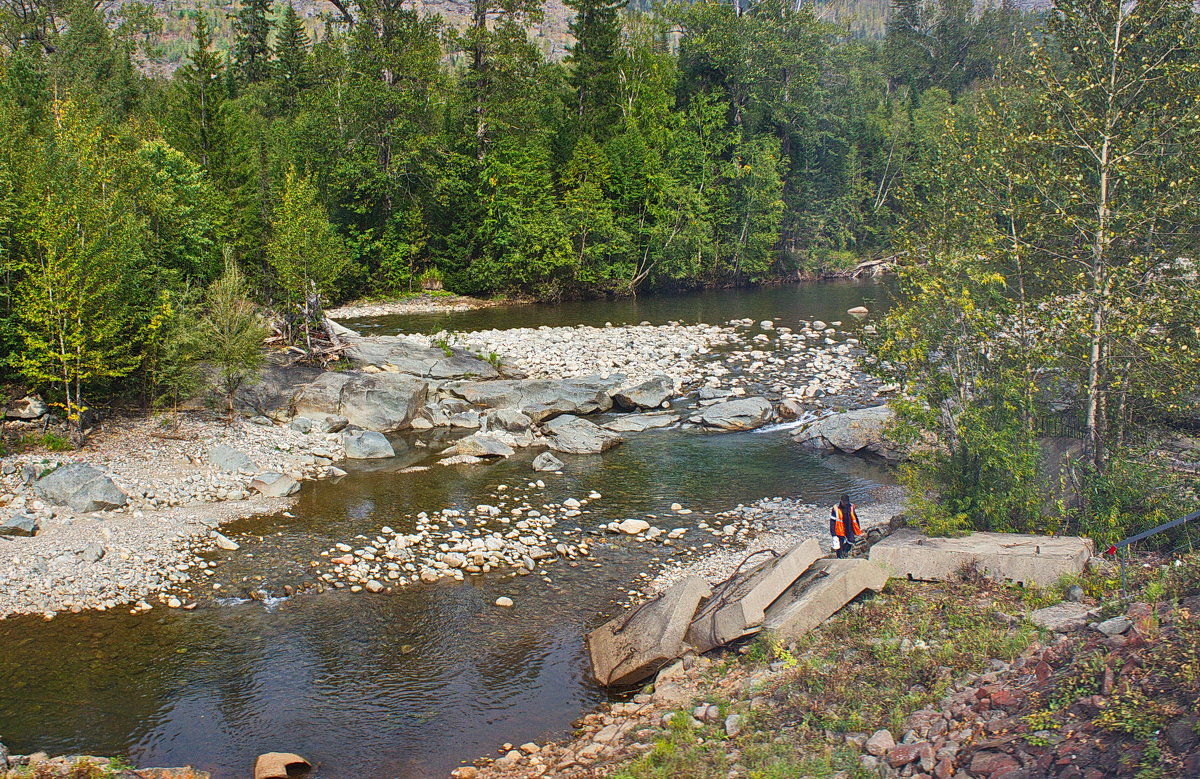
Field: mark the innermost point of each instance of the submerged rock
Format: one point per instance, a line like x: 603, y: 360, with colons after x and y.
x: 547, y: 462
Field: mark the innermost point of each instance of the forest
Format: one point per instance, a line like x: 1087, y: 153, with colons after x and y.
x: 1033, y: 175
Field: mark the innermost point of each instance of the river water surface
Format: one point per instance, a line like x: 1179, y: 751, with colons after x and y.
x: 414, y: 683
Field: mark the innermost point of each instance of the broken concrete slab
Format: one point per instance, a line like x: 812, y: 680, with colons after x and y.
x: 739, y: 607
x: 280, y: 765
x: 1024, y: 559
x: 631, y: 647
x: 819, y: 593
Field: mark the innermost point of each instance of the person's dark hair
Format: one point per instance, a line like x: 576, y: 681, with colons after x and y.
x: 845, y: 501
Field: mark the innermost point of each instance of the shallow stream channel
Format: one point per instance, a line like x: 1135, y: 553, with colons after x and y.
x: 413, y: 682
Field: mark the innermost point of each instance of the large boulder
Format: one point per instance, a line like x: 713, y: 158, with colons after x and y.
x: 229, y: 459
x: 480, y: 445
x: 383, y: 402
x: 81, y: 487
x: 648, y: 394
x: 740, y: 414
x: 27, y: 408
x: 851, y: 432
x: 273, y: 390
x: 542, y: 399
x: 366, y: 445
x: 574, y: 435
x: 508, y: 419
x: 400, y: 354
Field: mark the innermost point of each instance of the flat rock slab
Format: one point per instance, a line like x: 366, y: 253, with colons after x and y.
x: 740, y: 414
x: 633, y: 646
x: 1023, y: 559
x: 396, y: 353
x: 541, y: 399
x: 383, y: 402
x: 819, y: 593
x: 738, y: 609
x: 638, y: 423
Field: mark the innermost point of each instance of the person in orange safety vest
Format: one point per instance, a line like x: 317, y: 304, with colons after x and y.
x: 843, y: 525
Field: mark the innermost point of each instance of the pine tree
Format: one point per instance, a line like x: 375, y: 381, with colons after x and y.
x: 291, y: 52
x: 196, y: 98
x: 251, y: 46
x: 595, y: 74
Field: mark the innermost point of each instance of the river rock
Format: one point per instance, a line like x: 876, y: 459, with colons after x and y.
x: 330, y: 423
x: 301, y: 425
x: 858, y: 312
x: 480, y: 445
x: 632, y: 527
x: 19, y: 524
x: 575, y: 435
x: 366, y: 445
x: 27, y: 408
x: 91, y: 552
x: 508, y: 419
x: 400, y: 354
x: 542, y: 399
x: 225, y: 542
x: 275, y: 485
x: 740, y: 414
x: 280, y: 765
x: 81, y: 487
x: 273, y: 390
x: 790, y: 408
x: 638, y: 423
x: 851, y: 432
x: 229, y: 459
x: 382, y: 402
x: 547, y: 462
x: 648, y: 394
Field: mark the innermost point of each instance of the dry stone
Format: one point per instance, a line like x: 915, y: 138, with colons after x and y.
x: 575, y: 435
x: 636, y: 644
x: 81, y: 487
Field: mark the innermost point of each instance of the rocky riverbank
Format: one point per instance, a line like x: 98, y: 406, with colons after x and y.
x: 417, y: 304
x: 117, y: 523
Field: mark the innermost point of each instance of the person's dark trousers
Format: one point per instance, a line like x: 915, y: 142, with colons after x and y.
x: 847, y: 543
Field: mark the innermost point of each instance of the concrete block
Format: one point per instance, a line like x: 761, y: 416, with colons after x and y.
x: 636, y: 644
x: 737, y: 610
x: 1023, y: 559
x: 820, y: 593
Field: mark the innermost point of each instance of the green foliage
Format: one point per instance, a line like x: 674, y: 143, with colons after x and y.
x: 232, y: 332
x: 304, y: 250
x: 251, y: 46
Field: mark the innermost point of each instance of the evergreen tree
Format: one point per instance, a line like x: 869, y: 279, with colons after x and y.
x: 195, y: 101
x: 595, y: 65
x: 305, y: 251
x: 251, y: 47
x: 291, y: 53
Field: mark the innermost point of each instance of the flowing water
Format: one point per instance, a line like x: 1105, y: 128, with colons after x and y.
x: 407, y: 684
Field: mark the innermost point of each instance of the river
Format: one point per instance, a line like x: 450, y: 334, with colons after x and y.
x: 407, y: 684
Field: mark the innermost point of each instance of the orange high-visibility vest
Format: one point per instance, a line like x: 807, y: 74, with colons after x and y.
x: 839, y: 526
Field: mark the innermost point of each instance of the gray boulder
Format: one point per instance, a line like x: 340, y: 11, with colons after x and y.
x: 27, y: 408
x: 509, y: 419
x: 547, y: 462
x: 301, y: 425
x: 480, y: 445
x: 648, y: 394
x: 330, y: 424
x: 383, y: 402
x: 81, y: 487
x: 542, y: 399
x: 397, y: 353
x: 273, y: 390
x: 366, y: 445
x: 229, y: 459
x: 1062, y: 618
x: 637, y: 423
x: 740, y: 414
x: 574, y: 435
x: 19, y: 524
x: 275, y: 485
x: 851, y: 432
